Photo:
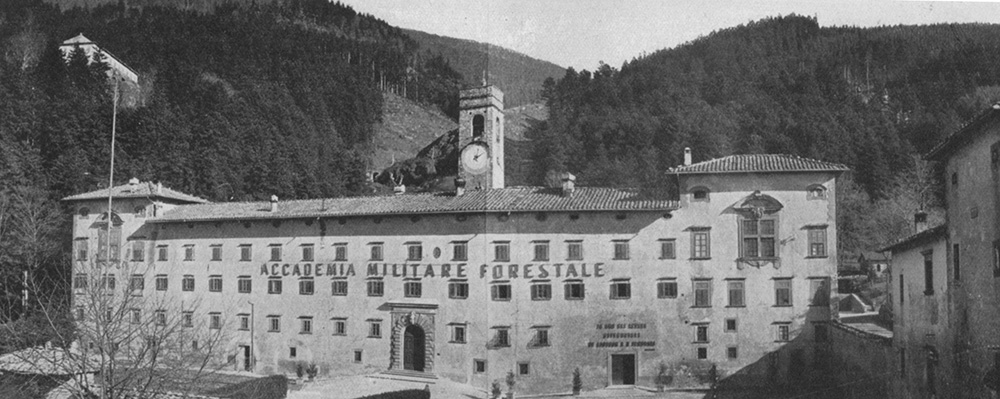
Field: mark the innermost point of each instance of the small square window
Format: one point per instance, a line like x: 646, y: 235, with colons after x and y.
x: 275, y: 252
x: 215, y: 283
x: 574, y: 250
x: 273, y: 323
x: 730, y: 325
x: 668, y: 249
x: 460, y: 251
x: 574, y: 290
x: 541, y: 292
x: 246, y: 253
x: 308, y: 254
x: 500, y: 292
x: 702, y: 353
x: 458, y: 334
x: 541, y: 251
x: 244, y: 320
x: 458, y: 289
x: 479, y: 366
x: 292, y: 352
x: 357, y: 356
x: 501, y: 252
x: 307, y: 286
x: 414, y: 252
x: 621, y: 290
x: 274, y: 285
x: 502, y: 338
x: 732, y: 353
x: 376, y: 249
x: 541, y: 337
x: 522, y: 368
x: 339, y: 287
x: 412, y: 289
x: 189, y: 252
x: 666, y: 289
x: 161, y: 282
x: 340, y: 327
x: 306, y: 325
x: 783, y: 331
x: 376, y: 287
x: 699, y: 194
x: 216, y: 252
x: 375, y: 329
x: 244, y: 284
x: 340, y: 252
x: 621, y: 250
x: 701, y: 333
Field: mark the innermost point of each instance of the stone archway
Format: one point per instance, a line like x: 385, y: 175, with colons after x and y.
x: 423, y: 331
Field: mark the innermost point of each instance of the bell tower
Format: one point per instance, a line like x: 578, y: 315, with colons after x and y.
x: 480, y: 138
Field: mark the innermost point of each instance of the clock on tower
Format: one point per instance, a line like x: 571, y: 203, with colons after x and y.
x: 480, y: 138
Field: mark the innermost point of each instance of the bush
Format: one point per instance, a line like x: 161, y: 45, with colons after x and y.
x: 407, y: 394
x: 577, y: 381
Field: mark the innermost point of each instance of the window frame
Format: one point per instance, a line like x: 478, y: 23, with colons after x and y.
x: 536, y: 291
x: 568, y: 288
x: 412, y: 289
x: 414, y: 251
x: 778, y: 288
x: 733, y: 286
x: 138, y: 250
x: 574, y: 246
x: 307, y: 286
x: 816, y: 238
x: 824, y: 286
x: 540, y: 251
x: 275, y: 252
x: 456, y: 336
x: 700, y: 333
x: 668, y: 248
x: 701, y: 243
x: 274, y: 323
x: 214, y: 320
x: 244, y: 282
x: 308, y: 252
x: 339, y: 287
x: 458, y: 289
x: 162, y: 253
x: 137, y: 284
x: 783, y: 332
x: 188, y: 283
x: 501, y: 251
x: 663, y: 289
x: 246, y: 252
x: 501, y: 291
x: 340, y: 252
x: 371, y: 286
x: 274, y: 285
x: 731, y: 324
x: 216, y: 252
x: 460, y: 251
x: 161, y: 278
x: 215, y: 283
x: 374, y: 328
x: 188, y: 252
x: 707, y: 296
x: 620, y: 289
x: 377, y: 251
x: 620, y: 250
x: 758, y: 237
x: 339, y: 326
x: 305, y: 324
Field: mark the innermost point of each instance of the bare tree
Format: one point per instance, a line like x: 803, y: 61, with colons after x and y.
x: 119, y: 338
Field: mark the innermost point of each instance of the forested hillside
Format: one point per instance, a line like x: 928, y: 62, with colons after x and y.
x: 871, y: 98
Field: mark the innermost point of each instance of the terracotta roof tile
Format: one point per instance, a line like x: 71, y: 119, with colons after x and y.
x: 511, y: 199
x: 749, y: 163
x: 137, y: 190
x: 923, y: 236
x: 964, y: 133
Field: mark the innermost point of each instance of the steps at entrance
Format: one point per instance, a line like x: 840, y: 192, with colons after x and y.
x: 407, y: 375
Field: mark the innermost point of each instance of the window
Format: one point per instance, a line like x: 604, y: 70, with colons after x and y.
x: 501, y: 251
x: 500, y: 292
x: 758, y: 238
x: 103, y: 241
x: 820, y: 332
x: 161, y: 282
x: 668, y: 249
x: 215, y: 320
x: 783, y: 292
x: 375, y: 329
x: 244, y: 321
x: 161, y: 253
x: 246, y: 253
x: 478, y: 366
x: 954, y: 179
x: 574, y: 290
x: 541, y: 250
x: 189, y: 252
x: 138, y: 250
x: 340, y: 326
x: 376, y: 287
x: 108, y: 282
x: 135, y: 316
x: 273, y: 323
x: 701, y: 333
x: 216, y: 252
x: 956, y: 261
x: 339, y: 287
x: 340, y: 252
x: 79, y: 313
x: 702, y: 293
x: 215, y: 283
x: 292, y: 352
x: 81, y: 248
x: 574, y: 250
x: 621, y: 249
x: 816, y: 192
x: 502, y: 337
x: 928, y: 272
x: 357, y: 356
x: 376, y: 248
x: 460, y: 251
x: 819, y: 291
x: 306, y: 325
x: 307, y: 286
x: 541, y: 291
x: 996, y: 258
x: 522, y: 368
x: 666, y: 289
x: 730, y: 325
x: 160, y: 317
x: 244, y: 284
x: 412, y: 289
x: 136, y: 284
x: 274, y: 285
x: 275, y: 252
x: 80, y: 281
x: 732, y: 353
x: 542, y: 337
x: 621, y: 289
x: 307, y: 252
x: 414, y: 251
x: 187, y: 284
x: 701, y: 244
x: 458, y: 289
x: 817, y: 242
x: 783, y: 332
x: 702, y: 353
x: 736, y: 293
x: 458, y: 333
x: 699, y: 194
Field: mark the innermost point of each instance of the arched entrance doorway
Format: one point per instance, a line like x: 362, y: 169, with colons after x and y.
x: 414, y: 342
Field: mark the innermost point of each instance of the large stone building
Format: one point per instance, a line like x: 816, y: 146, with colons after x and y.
x: 946, y: 278
x: 629, y: 287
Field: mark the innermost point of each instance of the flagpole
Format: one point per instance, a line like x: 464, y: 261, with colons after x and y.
x: 111, y: 173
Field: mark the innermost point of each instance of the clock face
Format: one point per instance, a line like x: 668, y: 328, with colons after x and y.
x: 475, y: 158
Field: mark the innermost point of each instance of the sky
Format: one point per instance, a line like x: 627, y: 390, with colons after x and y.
x: 583, y: 33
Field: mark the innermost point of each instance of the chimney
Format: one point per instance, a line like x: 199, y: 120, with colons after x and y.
x: 399, y: 189
x: 568, y: 184
x: 274, y: 203
x: 920, y: 221
x: 687, y: 156
x: 159, y: 187
x: 459, y: 187
x: 133, y: 182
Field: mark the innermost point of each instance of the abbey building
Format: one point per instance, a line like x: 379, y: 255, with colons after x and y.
x: 731, y: 274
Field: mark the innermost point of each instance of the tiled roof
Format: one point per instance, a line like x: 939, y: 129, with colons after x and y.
x: 964, y: 133
x: 512, y: 199
x: 749, y: 163
x: 136, y: 189
x: 922, y: 236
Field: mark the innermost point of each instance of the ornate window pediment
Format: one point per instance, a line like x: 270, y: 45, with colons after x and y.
x: 758, y: 229
x: 757, y: 205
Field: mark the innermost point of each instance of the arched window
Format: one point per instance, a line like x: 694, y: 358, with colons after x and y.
x: 816, y: 191
x: 478, y: 125
x: 699, y: 194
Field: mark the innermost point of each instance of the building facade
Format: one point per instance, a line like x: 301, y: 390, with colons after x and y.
x: 733, y: 274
